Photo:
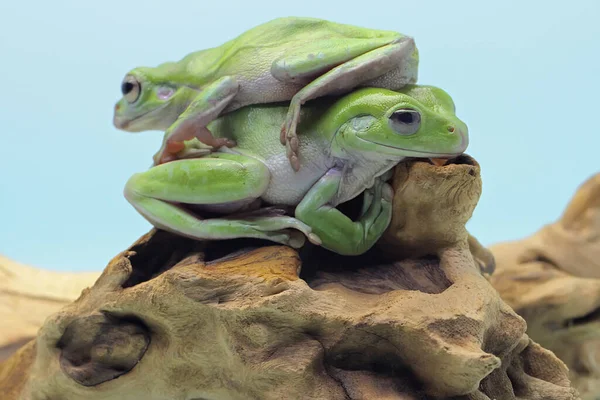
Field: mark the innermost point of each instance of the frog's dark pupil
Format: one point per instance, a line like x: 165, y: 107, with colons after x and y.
x: 126, y: 87
x: 405, y: 117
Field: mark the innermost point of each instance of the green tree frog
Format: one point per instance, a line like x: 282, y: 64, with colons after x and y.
x: 294, y: 58
x: 350, y: 146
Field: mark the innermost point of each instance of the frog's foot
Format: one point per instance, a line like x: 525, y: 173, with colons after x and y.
x: 279, y: 217
x: 184, y: 132
x: 205, y: 108
x: 192, y: 149
x: 288, y: 237
x: 282, y: 223
x: 338, y: 232
x: 377, y: 213
x: 194, y: 153
x: 270, y: 211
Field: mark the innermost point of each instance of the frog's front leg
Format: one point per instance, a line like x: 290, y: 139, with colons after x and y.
x: 218, y: 178
x: 203, y: 109
x: 347, y: 75
x: 338, y: 232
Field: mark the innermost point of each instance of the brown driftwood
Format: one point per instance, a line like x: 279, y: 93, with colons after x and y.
x: 412, y: 319
x: 28, y: 295
x: 552, y: 279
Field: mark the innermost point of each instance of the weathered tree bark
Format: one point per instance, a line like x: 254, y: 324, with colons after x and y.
x: 552, y: 279
x: 412, y: 319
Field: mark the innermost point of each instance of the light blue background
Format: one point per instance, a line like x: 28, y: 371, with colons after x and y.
x: 524, y: 75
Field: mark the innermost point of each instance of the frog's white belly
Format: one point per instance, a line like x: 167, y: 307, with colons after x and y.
x: 289, y: 187
x: 286, y: 186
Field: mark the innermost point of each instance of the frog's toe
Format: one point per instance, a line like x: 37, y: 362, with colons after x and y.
x: 230, y: 143
x: 296, y: 239
x: 387, y: 192
x: 295, y: 162
x: 387, y: 175
x: 294, y: 144
x: 314, y: 239
x: 291, y: 138
x: 291, y: 122
x: 292, y: 156
x: 174, y: 146
x: 283, y: 135
x: 165, y: 158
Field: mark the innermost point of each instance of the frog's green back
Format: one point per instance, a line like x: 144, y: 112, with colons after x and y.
x: 280, y: 30
x: 260, y: 44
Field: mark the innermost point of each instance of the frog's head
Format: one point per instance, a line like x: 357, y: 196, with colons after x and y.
x: 149, y: 101
x: 416, y: 121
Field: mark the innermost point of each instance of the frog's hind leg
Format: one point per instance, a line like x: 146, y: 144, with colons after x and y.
x: 346, y: 76
x: 160, y: 194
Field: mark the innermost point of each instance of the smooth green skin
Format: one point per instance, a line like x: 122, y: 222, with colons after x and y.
x: 285, y: 59
x: 350, y: 148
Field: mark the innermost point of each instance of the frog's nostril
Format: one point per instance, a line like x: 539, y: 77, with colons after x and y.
x: 451, y: 129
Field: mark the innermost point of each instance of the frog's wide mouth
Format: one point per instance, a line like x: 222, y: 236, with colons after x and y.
x: 418, y: 154
x: 410, y: 153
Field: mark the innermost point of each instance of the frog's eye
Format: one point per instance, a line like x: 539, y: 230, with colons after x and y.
x: 131, y: 89
x: 405, y: 121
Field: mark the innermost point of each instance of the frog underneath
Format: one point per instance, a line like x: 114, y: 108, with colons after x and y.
x: 350, y: 146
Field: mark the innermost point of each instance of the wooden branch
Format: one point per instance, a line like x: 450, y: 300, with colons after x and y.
x: 414, y: 318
